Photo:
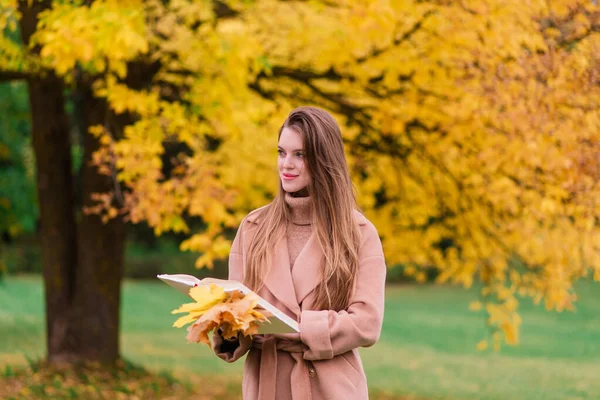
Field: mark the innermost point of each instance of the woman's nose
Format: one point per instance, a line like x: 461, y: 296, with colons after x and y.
x: 287, y: 163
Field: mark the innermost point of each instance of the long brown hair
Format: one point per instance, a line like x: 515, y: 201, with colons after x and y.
x: 333, y: 205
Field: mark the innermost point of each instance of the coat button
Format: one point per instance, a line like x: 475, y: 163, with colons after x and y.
x: 311, y: 372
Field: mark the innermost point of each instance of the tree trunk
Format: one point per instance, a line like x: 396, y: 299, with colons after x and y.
x: 82, y: 262
x: 58, y: 228
x: 101, y: 249
x: 58, y: 239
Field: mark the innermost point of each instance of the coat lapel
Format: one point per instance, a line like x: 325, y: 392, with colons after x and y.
x: 279, y: 280
x: 307, y: 268
x: 306, y: 273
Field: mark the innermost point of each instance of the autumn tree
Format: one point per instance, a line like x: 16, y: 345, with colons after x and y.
x: 82, y: 258
x: 82, y: 251
x: 475, y: 134
x: 471, y: 127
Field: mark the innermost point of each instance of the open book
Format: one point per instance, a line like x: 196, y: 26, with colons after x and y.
x: 278, y: 323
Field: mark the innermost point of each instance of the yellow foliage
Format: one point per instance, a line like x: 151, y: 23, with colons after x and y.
x: 102, y: 37
x: 472, y: 128
x: 8, y: 14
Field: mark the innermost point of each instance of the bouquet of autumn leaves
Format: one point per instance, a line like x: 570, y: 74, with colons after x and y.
x: 231, y: 312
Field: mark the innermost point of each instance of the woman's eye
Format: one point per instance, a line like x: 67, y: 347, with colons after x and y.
x: 299, y: 154
x: 280, y: 152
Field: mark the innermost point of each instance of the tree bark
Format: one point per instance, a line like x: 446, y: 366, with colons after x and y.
x: 101, y: 249
x: 58, y: 239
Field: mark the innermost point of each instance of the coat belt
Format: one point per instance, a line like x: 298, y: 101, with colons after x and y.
x: 301, y: 388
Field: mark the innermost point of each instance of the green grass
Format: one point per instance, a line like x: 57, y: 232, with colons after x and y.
x: 427, y: 347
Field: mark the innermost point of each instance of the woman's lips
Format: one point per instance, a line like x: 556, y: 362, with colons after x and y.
x: 289, y: 177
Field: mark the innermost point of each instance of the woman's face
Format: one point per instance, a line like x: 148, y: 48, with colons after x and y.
x: 292, y: 170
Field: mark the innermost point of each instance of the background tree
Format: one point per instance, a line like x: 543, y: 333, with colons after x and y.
x: 82, y: 259
x: 460, y: 127
x: 82, y: 251
x: 476, y: 124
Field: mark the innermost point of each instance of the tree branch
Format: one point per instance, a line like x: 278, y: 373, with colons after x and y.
x: 6, y: 76
x: 398, y: 41
x: 304, y: 75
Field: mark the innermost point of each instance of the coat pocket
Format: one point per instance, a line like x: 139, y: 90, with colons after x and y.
x: 350, y: 359
x: 337, y: 378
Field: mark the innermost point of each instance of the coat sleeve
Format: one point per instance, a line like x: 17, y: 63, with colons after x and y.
x: 328, y: 333
x: 232, y: 350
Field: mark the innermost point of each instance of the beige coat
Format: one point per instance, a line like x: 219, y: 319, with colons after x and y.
x: 322, y: 361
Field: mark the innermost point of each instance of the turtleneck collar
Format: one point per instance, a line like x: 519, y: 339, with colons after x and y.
x: 301, y: 208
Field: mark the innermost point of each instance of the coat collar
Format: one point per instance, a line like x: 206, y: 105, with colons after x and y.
x: 255, y: 216
x: 292, y: 286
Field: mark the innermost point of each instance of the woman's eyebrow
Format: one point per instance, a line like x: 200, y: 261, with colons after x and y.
x: 281, y: 148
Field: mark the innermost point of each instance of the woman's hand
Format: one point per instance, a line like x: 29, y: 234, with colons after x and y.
x: 230, y: 350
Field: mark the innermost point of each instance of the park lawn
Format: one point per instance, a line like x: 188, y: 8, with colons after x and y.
x: 427, y: 347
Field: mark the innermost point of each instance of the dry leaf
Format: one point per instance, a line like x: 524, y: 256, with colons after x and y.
x: 206, y: 297
x: 233, y: 313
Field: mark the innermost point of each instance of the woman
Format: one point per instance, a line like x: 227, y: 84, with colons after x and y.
x: 316, y: 258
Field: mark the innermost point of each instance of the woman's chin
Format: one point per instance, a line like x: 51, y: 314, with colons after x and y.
x: 290, y: 188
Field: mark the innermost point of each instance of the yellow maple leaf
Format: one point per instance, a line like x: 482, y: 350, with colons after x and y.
x: 205, y: 297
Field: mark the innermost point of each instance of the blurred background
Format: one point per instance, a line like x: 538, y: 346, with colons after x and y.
x: 135, y: 136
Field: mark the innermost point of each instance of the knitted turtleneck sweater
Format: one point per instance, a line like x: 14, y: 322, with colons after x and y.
x: 300, y: 228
